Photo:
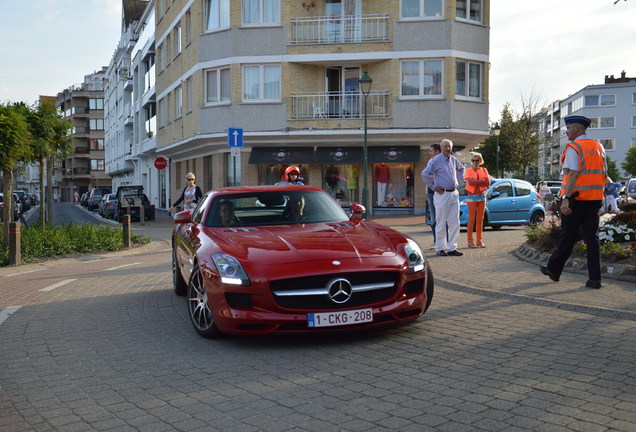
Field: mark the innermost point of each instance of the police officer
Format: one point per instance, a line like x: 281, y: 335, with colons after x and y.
x: 582, y: 194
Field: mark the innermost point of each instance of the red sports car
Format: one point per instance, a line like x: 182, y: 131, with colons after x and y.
x: 287, y: 259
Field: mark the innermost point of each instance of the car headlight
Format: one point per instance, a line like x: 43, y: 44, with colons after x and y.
x: 414, y: 256
x: 230, y: 270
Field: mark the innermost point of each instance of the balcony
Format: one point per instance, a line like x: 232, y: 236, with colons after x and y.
x: 339, y: 29
x: 81, y: 171
x: 339, y: 105
x: 82, y: 150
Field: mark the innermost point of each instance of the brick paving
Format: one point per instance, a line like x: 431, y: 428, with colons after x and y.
x: 112, y: 349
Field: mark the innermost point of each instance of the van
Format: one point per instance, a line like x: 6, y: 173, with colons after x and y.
x: 630, y: 192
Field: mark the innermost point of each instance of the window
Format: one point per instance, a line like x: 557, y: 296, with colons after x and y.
x: 188, y: 27
x: 177, y: 39
x: 217, y: 83
x: 421, y: 8
x: 422, y: 78
x: 96, y: 143
x: 600, y: 100
x: 96, y: 124
x: 468, y: 79
x: 522, y: 189
x: 168, y: 108
x: 633, y: 121
x: 178, y: 102
x: 97, y: 165
x: 218, y: 14
x: 469, y: 9
x: 161, y: 59
x: 189, y: 95
x: 606, y: 122
x: 162, y: 113
x: 633, y: 98
x: 261, y: 11
x: 149, y: 75
x: 608, y: 144
x: 168, y: 49
x: 261, y: 83
x: 96, y: 104
x: 504, y: 189
x: 150, y: 117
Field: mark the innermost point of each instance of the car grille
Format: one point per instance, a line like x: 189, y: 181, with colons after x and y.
x: 311, y: 293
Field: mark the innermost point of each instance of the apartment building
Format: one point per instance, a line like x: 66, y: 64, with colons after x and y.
x: 130, y: 98
x: 286, y: 73
x: 612, y: 108
x: 83, y: 104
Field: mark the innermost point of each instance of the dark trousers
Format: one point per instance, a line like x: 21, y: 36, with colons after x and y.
x: 584, y: 214
x: 431, y: 211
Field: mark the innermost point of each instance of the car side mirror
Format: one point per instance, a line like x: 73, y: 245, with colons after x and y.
x: 357, y: 210
x: 184, y: 216
x: 495, y: 194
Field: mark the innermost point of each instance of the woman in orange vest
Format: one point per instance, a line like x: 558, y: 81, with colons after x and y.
x: 477, y: 181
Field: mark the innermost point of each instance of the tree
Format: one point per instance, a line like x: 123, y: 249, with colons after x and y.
x: 51, y: 139
x: 612, y: 169
x: 14, y: 148
x: 629, y: 164
x: 494, y: 159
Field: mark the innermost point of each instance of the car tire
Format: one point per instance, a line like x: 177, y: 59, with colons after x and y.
x: 430, y: 288
x: 537, y: 217
x: 198, y: 307
x: 496, y: 227
x: 179, y: 284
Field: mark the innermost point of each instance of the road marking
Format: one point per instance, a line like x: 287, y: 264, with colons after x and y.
x: 5, y: 313
x: 166, y: 250
x: 57, y: 285
x: 23, y: 272
x: 122, y: 266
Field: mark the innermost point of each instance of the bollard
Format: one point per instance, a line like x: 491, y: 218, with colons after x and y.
x: 15, y: 250
x: 142, y: 216
x: 125, y: 221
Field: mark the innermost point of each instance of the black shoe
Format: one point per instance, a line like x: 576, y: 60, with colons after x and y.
x: 548, y: 273
x: 455, y: 253
x: 593, y: 283
x: 441, y: 253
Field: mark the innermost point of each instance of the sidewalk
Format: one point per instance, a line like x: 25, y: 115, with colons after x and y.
x: 505, y: 269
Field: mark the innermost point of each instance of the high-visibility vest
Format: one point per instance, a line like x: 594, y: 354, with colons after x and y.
x: 590, y: 183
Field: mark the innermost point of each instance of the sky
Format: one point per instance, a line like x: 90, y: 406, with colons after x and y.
x: 540, y: 50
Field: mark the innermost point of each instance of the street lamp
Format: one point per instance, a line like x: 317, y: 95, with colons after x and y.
x: 496, y: 130
x: 365, y: 87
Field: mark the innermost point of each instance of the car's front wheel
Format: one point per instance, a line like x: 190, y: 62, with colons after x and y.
x: 179, y: 284
x: 198, y: 306
x: 430, y: 287
x: 537, y: 217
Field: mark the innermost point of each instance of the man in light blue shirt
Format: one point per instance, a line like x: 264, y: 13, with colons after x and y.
x: 442, y: 174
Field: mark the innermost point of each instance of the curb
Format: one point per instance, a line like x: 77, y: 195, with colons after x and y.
x: 615, y: 271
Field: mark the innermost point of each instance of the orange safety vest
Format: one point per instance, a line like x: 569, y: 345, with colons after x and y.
x: 590, y: 183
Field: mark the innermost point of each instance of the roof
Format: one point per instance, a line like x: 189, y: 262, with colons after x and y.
x: 132, y: 10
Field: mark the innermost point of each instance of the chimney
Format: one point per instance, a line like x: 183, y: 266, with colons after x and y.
x: 623, y: 75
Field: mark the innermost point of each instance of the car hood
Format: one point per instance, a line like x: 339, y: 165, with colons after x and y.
x: 302, y: 243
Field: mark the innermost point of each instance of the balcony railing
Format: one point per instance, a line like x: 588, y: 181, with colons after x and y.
x: 339, y: 29
x: 339, y: 105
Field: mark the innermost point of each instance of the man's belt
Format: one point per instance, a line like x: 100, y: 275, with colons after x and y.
x: 450, y: 190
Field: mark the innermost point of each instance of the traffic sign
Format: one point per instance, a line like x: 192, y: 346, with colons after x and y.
x: 235, y: 137
x: 161, y: 163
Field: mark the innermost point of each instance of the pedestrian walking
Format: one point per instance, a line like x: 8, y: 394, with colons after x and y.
x: 582, y: 193
x: 611, y: 193
x: 477, y: 181
x: 442, y: 174
x: 190, y: 196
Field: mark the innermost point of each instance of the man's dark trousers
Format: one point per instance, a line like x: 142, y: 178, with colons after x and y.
x: 584, y: 214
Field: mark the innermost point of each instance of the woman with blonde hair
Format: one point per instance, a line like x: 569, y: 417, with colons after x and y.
x: 190, y: 196
x: 477, y: 181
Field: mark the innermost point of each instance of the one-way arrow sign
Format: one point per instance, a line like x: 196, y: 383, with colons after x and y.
x: 235, y: 137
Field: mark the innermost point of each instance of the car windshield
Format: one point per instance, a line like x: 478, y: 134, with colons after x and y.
x: 632, y: 187
x: 274, y: 208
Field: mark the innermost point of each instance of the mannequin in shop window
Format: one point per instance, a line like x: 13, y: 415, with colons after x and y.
x: 352, y: 182
x: 382, y: 177
x: 332, y: 176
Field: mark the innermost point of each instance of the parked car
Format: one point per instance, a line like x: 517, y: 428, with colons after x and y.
x: 95, y: 197
x: 108, y: 205
x: 508, y: 202
x: 129, y: 200
x: 33, y: 197
x: 629, y: 194
x: 16, y: 207
x: 292, y: 261
x: 24, y: 199
x: 84, y: 199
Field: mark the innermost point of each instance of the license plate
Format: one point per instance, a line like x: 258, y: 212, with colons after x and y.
x: 330, y: 319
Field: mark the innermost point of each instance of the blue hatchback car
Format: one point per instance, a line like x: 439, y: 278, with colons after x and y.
x: 508, y: 202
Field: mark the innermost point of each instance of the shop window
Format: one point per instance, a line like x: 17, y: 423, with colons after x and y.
x: 393, y: 185
x: 342, y: 181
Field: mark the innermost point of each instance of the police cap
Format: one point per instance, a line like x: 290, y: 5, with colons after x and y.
x: 578, y: 119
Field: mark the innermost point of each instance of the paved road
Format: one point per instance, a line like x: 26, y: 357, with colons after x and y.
x: 101, y: 343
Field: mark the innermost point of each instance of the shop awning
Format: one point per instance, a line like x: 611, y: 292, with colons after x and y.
x: 281, y: 155
x: 394, y: 154
x: 339, y: 155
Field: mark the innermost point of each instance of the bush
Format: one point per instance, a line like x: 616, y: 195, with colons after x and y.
x: 628, y: 207
x: 69, y: 239
x: 627, y: 218
x: 613, y: 252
